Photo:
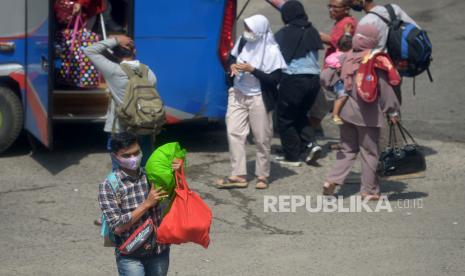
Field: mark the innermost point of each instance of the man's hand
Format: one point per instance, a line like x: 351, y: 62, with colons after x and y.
x: 245, y: 67
x: 124, y: 41
x: 176, y: 165
x: 76, y: 8
x: 348, y: 28
x: 234, y: 70
x: 394, y: 119
x: 154, y: 197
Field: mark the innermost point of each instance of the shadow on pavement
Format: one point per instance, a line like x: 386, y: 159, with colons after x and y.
x: 395, y: 190
x: 73, y: 142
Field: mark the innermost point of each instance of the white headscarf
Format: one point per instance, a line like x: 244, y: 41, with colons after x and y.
x: 263, y: 54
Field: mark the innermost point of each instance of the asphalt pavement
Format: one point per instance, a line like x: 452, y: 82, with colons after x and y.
x: 48, y: 199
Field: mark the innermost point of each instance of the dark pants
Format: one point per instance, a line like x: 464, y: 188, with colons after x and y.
x: 296, y: 96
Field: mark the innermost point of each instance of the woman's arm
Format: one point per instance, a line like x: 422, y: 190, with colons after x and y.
x: 388, y: 100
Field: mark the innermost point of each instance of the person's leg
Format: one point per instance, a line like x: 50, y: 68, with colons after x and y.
x: 368, y: 141
x: 346, y: 157
x: 317, y: 112
x: 262, y: 129
x: 129, y: 266
x: 114, y: 164
x: 286, y: 116
x: 310, y: 89
x: 158, y: 264
x: 338, y: 105
x: 146, y: 145
x: 237, y: 126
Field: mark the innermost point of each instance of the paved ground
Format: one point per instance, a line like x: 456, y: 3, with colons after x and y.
x: 48, y: 199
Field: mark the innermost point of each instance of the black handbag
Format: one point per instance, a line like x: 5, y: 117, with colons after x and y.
x: 400, y: 160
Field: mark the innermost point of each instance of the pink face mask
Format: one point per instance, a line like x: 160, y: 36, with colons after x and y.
x: 131, y: 163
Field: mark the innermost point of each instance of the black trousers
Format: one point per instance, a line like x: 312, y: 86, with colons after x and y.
x: 296, y: 96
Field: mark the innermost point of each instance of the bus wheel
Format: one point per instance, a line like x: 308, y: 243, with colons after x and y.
x: 11, y: 117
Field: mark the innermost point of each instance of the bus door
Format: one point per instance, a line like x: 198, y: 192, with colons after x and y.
x: 37, y: 114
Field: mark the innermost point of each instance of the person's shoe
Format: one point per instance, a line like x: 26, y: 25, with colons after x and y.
x: 262, y: 184
x: 98, y: 221
x: 290, y: 163
x: 112, y: 26
x: 369, y: 197
x: 328, y: 189
x: 228, y: 183
x: 337, y: 121
x: 279, y: 158
x: 314, y: 154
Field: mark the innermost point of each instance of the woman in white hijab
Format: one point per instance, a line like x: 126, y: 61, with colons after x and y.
x: 256, y: 64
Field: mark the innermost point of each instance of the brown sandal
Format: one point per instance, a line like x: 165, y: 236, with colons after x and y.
x: 329, y: 190
x: 228, y: 183
x: 262, y: 184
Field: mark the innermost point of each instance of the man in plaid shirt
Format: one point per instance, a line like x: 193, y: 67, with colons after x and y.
x: 130, y: 206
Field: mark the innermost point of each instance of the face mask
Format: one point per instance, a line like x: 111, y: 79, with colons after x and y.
x: 131, y: 163
x: 358, y: 6
x: 249, y: 36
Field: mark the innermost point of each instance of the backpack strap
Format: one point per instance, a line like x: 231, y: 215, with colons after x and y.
x: 392, y: 13
x: 385, y: 20
x: 141, y: 71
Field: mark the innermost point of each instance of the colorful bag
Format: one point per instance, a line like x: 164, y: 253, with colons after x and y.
x: 75, y: 68
x: 189, y: 218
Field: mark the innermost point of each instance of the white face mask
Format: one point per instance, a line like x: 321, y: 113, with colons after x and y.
x: 249, y: 36
x: 131, y: 163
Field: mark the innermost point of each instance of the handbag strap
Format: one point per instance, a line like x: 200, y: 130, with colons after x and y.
x: 404, y: 131
x: 180, y: 177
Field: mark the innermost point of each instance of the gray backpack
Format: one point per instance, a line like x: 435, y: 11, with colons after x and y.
x: 142, y: 111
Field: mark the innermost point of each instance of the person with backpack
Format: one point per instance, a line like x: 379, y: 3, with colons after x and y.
x: 128, y: 201
x: 256, y: 68
x: 371, y: 97
x: 406, y: 43
x: 374, y: 15
x: 299, y: 42
x: 127, y: 78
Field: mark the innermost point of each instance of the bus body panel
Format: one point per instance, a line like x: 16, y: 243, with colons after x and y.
x: 180, y: 43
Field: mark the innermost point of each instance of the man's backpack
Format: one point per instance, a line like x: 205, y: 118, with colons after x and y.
x: 408, y: 46
x: 142, y: 111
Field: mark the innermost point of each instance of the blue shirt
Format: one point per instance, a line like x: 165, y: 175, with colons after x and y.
x: 305, y: 65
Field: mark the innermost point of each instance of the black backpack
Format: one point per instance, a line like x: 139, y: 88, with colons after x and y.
x: 408, y: 46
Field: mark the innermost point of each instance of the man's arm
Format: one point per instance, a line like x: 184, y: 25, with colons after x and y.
x: 95, y: 53
x: 120, y: 223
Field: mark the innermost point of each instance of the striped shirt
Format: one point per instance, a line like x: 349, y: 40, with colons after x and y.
x: 130, y: 194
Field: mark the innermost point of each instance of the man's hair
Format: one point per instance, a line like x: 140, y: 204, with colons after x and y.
x: 121, y: 141
x: 121, y: 52
x: 346, y: 3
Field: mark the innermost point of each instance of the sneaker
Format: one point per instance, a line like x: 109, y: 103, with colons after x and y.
x: 290, y: 163
x: 315, y: 153
x: 279, y: 158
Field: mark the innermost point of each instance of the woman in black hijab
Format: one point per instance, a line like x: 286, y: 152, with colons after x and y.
x: 299, y: 42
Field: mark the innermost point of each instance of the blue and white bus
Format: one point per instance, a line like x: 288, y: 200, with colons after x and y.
x: 185, y: 42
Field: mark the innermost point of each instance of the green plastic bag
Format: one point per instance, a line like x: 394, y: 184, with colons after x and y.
x: 158, y: 167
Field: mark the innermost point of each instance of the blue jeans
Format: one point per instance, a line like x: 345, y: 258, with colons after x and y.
x: 157, y: 265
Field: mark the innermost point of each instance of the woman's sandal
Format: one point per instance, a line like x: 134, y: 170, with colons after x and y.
x: 370, y: 197
x: 262, y: 184
x: 228, y: 183
x: 328, y: 189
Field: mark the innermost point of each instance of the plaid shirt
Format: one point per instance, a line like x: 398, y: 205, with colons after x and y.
x: 130, y: 194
